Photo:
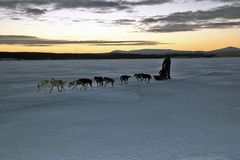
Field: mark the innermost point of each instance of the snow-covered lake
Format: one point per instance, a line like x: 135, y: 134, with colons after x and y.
x: 194, y: 116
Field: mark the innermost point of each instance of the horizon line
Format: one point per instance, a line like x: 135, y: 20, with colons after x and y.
x: 117, y: 50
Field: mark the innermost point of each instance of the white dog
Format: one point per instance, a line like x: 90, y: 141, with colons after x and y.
x: 46, y: 84
x: 59, y: 84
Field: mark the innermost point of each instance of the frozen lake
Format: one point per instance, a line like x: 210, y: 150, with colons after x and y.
x: 194, y: 116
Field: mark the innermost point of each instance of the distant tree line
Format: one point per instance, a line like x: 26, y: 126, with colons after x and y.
x: 53, y: 56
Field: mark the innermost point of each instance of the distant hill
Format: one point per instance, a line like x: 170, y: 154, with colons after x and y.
x: 226, y: 52
x: 229, y: 51
x: 145, y: 51
x: 155, y: 52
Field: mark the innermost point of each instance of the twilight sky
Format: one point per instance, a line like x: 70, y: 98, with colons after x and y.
x: 97, y: 26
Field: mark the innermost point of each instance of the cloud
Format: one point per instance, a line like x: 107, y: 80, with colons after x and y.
x: 100, y: 6
x: 35, y: 41
x: 221, y: 25
x: 224, y: 12
x: 13, y: 4
x: 149, y: 2
x: 95, y: 5
x: 92, y: 4
x: 15, y: 18
x: 173, y: 28
x: 191, y: 27
x: 221, y: 17
x: 226, y: 1
x: 124, y: 22
x: 35, y: 11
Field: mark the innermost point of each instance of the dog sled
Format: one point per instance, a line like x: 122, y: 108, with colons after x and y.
x: 162, y: 75
x: 159, y: 78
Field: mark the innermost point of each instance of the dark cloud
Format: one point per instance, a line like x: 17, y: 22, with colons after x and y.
x: 226, y: 1
x: 13, y: 4
x: 147, y: 2
x: 100, y: 6
x: 92, y: 4
x: 222, y: 25
x: 126, y: 43
x: 191, y: 27
x: 124, y: 22
x: 35, y: 11
x: 221, y: 17
x: 173, y: 28
x: 15, y: 18
x: 225, y: 12
x: 35, y: 41
x: 96, y: 5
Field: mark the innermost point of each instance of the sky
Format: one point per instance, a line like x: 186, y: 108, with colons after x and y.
x: 100, y: 26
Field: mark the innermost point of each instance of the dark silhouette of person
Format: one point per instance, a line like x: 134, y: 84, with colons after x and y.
x: 166, y: 66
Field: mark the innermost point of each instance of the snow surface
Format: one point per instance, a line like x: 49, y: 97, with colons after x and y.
x: 194, y: 116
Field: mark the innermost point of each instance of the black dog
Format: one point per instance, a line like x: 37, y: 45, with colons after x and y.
x: 108, y: 80
x: 146, y: 77
x: 142, y: 76
x: 83, y: 81
x: 138, y: 76
x: 124, y: 78
x: 99, y: 81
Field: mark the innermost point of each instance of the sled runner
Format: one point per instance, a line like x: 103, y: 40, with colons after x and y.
x: 159, y: 78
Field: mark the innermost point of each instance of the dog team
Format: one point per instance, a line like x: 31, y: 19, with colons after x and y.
x: 85, y: 82
x: 164, y: 73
